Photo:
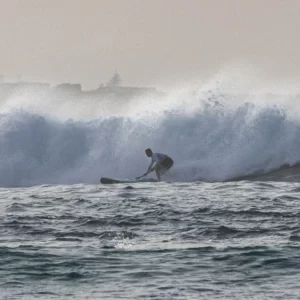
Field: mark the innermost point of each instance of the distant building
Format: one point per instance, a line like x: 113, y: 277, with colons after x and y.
x: 113, y: 90
x: 115, y: 80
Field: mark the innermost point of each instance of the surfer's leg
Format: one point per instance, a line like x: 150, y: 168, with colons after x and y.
x: 157, y: 173
x: 165, y: 165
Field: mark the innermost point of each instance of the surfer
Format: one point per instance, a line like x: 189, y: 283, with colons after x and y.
x: 160, y: 163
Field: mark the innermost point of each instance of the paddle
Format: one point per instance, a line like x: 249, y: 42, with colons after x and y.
x: 140, y: 177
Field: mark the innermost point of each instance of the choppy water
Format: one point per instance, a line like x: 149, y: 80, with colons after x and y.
x: 234, y: 240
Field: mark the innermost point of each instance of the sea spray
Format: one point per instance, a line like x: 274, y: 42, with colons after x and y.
x: 210, y: 134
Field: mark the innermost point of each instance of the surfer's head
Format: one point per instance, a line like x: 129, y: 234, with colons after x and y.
x: 148, y: 152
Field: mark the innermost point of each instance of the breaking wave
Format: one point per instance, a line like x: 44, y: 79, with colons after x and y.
x: 211, y: 136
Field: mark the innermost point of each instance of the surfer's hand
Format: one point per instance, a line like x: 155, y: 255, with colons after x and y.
x: 142, y: 176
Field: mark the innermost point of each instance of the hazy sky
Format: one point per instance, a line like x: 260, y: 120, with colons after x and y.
x: 150, y: 42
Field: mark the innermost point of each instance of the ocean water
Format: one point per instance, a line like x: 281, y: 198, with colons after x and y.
x: 151, y: 241
x: 223, y: 223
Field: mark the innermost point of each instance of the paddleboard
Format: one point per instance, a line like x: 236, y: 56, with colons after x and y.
x: 105, y: 180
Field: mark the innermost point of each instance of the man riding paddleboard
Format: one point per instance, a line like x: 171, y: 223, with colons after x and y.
x: 160, y: 163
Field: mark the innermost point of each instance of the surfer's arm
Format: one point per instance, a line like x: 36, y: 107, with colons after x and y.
x: 150, y: 169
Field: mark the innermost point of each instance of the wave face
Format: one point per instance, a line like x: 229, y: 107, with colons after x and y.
x: 210, y: 135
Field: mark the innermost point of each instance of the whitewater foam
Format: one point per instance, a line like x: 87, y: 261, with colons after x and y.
x: 211, y: 136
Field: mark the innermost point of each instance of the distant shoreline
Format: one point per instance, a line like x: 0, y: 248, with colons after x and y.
x: 115, y: 91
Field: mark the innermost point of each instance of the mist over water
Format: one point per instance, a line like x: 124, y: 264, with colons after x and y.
x: 211, y: 133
